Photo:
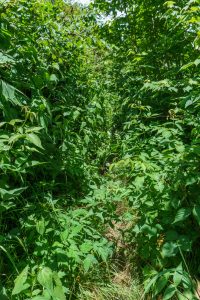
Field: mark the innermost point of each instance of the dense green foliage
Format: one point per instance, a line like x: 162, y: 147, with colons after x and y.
x: 53, y: 137
x: 155, y: 71
x: 100, y: 127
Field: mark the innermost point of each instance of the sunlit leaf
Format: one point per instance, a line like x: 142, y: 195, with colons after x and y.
x: 169, y: 292
x: 34, y: 139
x: 45, y: 278
x: 20, y: 282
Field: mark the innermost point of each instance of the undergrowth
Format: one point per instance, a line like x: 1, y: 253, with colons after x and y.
x: 99, y: 150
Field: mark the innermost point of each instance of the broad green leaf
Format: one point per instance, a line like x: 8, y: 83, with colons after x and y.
x: 182, y: 214
x: 10, y: 194
x: 36, y: 292
x: 40, y: 226
x: 160, y: 284
x: 48, y: 294
x: 86, y: 247
x: 169, y: 249
x: 150, y: 230
x: 180, y: 147
x: 189, y: 103
x: 45, y: 278
x: 169, y: 292
x: 14, y: 121
x: 197, y: 62
x: 139, y: 181
x: 58, y: 289
x: 34, y: 139
x: 9, y: 93
x: 20, y: 282
x: 177, y: 278
x: 53, y: 78
x: 59, y: 293
x: 178, y: 275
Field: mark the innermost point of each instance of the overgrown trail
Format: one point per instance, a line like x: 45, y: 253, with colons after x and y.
x: 99, y: 150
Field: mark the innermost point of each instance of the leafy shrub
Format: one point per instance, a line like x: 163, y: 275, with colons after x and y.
x: 53, y: 135
x: 155, y: 70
